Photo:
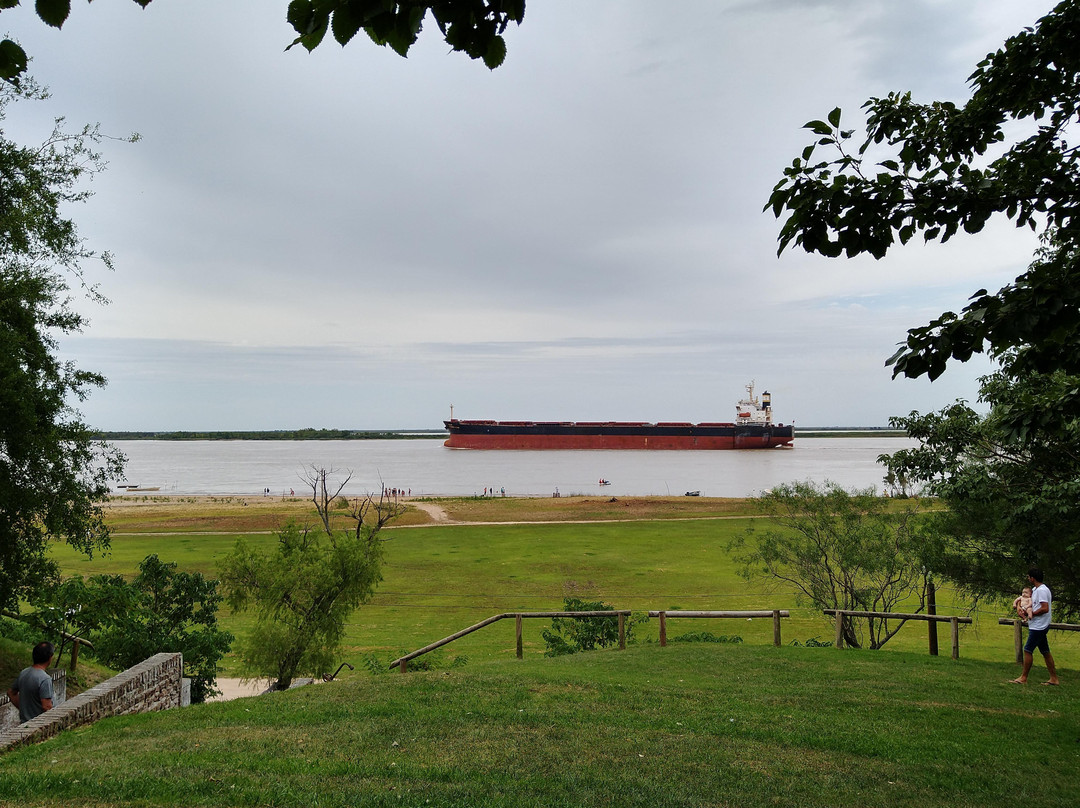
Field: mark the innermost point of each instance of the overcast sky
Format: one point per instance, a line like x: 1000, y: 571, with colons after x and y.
x: 355, y: 240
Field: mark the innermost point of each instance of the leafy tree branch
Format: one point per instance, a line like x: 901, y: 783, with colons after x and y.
x: 53, y: 472
x: 473, y: 27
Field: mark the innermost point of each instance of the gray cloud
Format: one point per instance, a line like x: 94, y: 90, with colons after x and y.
x: 348, y: 238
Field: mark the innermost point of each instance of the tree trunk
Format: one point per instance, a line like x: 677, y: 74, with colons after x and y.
x: 851, y: 639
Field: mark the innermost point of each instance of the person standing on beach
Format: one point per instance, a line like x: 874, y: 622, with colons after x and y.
x: 1038, y: 626
x: 32, y: 690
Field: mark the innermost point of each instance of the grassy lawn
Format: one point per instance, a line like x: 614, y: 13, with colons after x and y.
x: 440, y: 579
x: 689, y: 725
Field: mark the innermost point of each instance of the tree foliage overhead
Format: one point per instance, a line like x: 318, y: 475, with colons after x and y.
x: 474, y: 27
x: 1012, y: 500
x: 935, y: 169
x: 52, y: 470
x: 1010, y: 478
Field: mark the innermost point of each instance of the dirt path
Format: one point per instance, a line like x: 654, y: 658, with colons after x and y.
x: 436, y: 512
x: 441, y: 517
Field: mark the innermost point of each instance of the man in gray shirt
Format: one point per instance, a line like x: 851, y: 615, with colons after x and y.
x: 32, y: 691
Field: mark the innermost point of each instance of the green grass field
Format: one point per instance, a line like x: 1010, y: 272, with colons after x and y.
x: 438, y: 580
x: 687, y: 725
x: 693, y: 724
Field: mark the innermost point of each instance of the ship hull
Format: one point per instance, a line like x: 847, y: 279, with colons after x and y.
x: 658, y: 437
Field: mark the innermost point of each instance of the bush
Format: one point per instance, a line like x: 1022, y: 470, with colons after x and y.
x: 707, y: 636
x: 568, y: 635
x: 161, y: 610
x: 19, y: 631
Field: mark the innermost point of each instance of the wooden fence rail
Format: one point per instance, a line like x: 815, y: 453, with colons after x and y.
x: 931, y: 619
x: 1018, y: 634
x: 402, y: 662
x: 775, y: 614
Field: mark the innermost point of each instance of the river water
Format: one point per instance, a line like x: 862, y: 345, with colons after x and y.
x: 426, y: 468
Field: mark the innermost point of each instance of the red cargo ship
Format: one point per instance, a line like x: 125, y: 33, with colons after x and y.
x: 752, y: 429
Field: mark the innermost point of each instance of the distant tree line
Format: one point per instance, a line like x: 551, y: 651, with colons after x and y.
x: 278, y: 434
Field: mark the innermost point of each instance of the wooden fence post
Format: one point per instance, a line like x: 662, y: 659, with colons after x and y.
x: 403, y: 666
x: 839, y: 629
x: 1018, y: 641
x: 776, y: 627
x: 663, y: 629
x: 520, y: 653
x: 622, y: 632
x: 931, y: 608
x: 955, y: 638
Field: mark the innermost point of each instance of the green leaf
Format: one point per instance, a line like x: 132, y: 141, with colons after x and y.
x: 345, y: 24
x: 818, y: 128
x: 899, y: 352
x: 12, y: 60
x: 311, y: 40
x: 495, y: 53
x: 299, y: 15
x: 53, y: 12
x: 834, y: 118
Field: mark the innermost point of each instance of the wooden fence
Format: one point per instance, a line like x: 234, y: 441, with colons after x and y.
x: 775, y: 614
x: 931, y: 619
x: 1018, y: 634
x: 402, y: 662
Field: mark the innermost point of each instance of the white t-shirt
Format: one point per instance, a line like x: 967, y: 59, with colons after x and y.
x: 1040, y: 594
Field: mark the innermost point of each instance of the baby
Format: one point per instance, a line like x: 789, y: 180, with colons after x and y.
x: 1022, y: 604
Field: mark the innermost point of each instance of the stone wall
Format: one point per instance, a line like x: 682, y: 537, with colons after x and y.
x: 9, y: 715
x: 155, y: 684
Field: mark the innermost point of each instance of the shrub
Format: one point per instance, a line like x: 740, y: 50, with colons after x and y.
x: 161, y: 610
x: 568, y: 635
x: 707, y: 636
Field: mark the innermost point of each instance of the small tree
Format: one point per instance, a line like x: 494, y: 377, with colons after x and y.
x: 304, y: 589
x: 840, y: 550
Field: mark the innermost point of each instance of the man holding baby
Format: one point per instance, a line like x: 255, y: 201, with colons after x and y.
x: 1038, y: 626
